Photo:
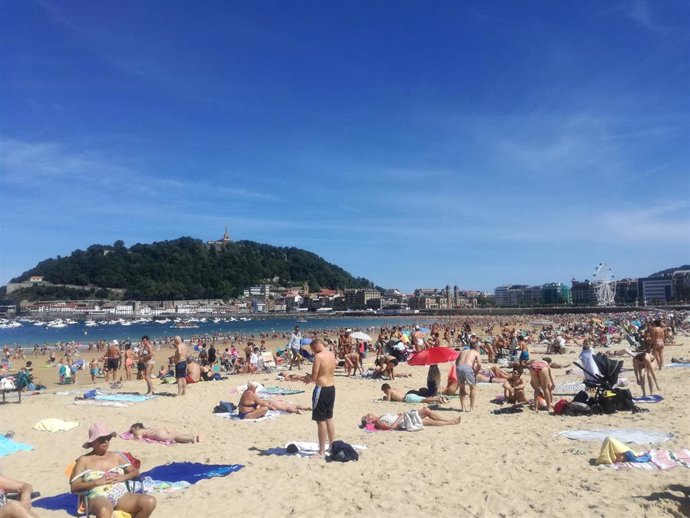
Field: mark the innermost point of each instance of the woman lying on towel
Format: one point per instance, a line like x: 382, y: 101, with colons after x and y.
x: 251, y: 406
x: 395, y: 421
x: 161, y: 434
x: 101, y: 476
x: 14, y: 508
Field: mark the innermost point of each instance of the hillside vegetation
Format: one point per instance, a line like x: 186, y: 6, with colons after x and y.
x: 186, y: 268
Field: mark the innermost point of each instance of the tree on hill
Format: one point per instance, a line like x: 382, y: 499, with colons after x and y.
x: 186, y: 268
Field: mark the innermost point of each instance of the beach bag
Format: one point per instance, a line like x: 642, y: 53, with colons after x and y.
x: 575, y: 409
x: 624, y: 399
x: 608, y: 402
x: 342, y: 452
x: 559, y: 408
x: 581, y: 397
x: 411, y: 421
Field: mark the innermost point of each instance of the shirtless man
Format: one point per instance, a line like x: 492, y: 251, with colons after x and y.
x: 193, y: 372
x: 466, y: 367
x: 323, y: 398
x: 180, y: 359
x: 390, y: 394
x: 112, y: 360
x: 657, y: 335
x: 146, y: 356
x: 161, y: 434
x: 418, y: 339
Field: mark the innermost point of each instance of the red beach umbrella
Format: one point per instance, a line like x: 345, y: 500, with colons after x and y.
x: 434, y: 356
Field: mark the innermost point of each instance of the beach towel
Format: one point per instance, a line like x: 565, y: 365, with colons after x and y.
x: 127, y: 436
x: 659, y: 460
x: 127, y: 398
x: 677, y: 365
x: 8, y: 446
x: 191, y: 472
x: 161, y: 479
x: 279, y: 391
x: 93, y: 402
x: 270, y: 414
x: 53, y: 425
x: 303, y: 449
x: 623, y: 435
x: 654, y: 398
x: 571, y: 387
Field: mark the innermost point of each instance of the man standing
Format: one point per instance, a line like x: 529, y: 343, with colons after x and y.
x: 112, y: 360
x: 323, y: 398
x: 146, y: 357
x: 180, y: 360
x: 295, y: 347
x: 466, y: 367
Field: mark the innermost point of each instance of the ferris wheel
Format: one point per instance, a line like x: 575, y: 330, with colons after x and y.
x: 604, y: 285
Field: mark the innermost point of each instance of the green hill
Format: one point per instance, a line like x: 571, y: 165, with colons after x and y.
x: 187, y: 268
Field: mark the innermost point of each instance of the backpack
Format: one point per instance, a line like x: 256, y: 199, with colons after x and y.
x: 342, y: 452
x: 624, y: 400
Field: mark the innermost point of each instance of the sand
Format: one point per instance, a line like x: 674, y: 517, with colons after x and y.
x: 489, y: 465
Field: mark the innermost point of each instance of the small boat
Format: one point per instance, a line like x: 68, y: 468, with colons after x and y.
x: 302, y: 321
x: 185, y: 325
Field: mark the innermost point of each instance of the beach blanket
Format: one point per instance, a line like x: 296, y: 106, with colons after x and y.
x: 127, y: 436
x: 270, y: 414
x: 161, y: 479
x: 623, y: 435
x: 279, y: 391
x: 654, y: 398
x: 123, y: 398
x: 8, y: 446
x: 191, y: 472
x: 571, y: 387
x: 93, y: 402
x: 677, y: 365
x: 659, y: 460
x: 302, y: 449
x: 53, y: 425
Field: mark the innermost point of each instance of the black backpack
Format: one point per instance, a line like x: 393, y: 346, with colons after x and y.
x: 624, y: 399
x: 342, y: 452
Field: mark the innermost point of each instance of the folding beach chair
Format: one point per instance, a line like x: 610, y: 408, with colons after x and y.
x: 267, y: 361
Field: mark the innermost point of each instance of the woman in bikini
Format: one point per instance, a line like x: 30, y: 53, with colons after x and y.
x: 541, y: 379
x: 251, y: 406
x: 100, y: 476
x: 139, y: 431
x: 129, y: 361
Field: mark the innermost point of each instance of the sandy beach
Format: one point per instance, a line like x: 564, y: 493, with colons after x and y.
x: 489, y: 465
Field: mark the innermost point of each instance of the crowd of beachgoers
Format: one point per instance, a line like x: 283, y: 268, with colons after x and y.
x: 523, y: 358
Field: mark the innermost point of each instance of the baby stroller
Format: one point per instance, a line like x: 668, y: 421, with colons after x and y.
x: 605, y: 383
x: 610, y: 369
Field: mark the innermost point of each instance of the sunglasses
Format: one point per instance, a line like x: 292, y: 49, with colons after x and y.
x: 101, y: 440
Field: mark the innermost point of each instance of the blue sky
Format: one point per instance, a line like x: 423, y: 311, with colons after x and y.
x: 417, y: 144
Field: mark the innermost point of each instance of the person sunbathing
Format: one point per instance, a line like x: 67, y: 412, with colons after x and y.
x: 251, y: 406
x: 683, y: 359
x: 100, y: 476
x: 20, y: 508
x: 395, y: 421
x: 555, y: 365
x: 139, y: 431
x: 390, y: 394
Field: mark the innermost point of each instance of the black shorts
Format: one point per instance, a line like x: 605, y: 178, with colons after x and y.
x: 181, y: 370
x: 112, y: 364
x: 322, y: 403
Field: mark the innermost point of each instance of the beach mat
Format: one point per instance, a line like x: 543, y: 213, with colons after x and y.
x: 8, y: 446
x: 301, y: 449
x: 53, y: 425
x: 93, y: 402
x: 677, y: 365
x: 623, y: 435
x: 279, y: 391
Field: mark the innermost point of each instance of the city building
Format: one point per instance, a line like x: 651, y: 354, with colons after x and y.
x: 626, y: 292
x: 555, y: 293
x: 582, y: 293
x: 681, y: 285
x: 655, y: 290
x: 219, y: 244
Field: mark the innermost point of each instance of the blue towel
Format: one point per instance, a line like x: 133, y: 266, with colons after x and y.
x: 129, y: 398
x: 8, y: 446
x: 66, y: 502
x: 191, y: 472
x: 631, y: 457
